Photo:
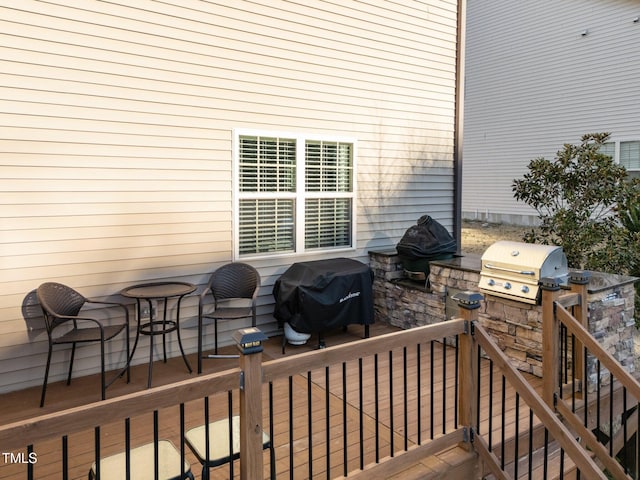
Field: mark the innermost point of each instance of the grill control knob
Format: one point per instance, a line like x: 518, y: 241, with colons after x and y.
x: 491, y: 282
x: 525, y: 289
x: 507, y: 286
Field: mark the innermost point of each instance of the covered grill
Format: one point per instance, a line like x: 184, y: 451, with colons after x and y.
x: 423, y: 242
x: 321, y: 295
x: 514, y: 269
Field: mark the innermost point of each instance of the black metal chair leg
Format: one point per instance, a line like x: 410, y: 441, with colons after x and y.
x: 150, y: 360
x: 102, y: 372
x: 164, y: 326
x: 215, y: 336
x: 184, y: 357
x: 73, y: 355
x: 199, y: 337
x: 128, y: 354
x: 46, y: 377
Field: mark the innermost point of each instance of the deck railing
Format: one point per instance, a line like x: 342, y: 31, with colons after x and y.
x: 328, y: 412
x: 372, y: 406
x: 598, y: 398
x: 588, y: 411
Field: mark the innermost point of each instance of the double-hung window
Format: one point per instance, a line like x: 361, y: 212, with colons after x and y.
x: 630, y: 157
x: 294, y: 193
x: 626, y: 153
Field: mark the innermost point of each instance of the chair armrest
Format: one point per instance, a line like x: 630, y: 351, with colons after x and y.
x: 101, y: 302
x: 204, y: 292
x: 113, y: 304
x: 66, y: 318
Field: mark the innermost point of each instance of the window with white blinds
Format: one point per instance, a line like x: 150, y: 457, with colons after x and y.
x: 328, y: 167
x: 608, y: 149
x: 626, y: 153
x: 630, y: 155
x: 295, y: 194
x: 266, y: 225
x: 327, y: 222
x: 267, y: 164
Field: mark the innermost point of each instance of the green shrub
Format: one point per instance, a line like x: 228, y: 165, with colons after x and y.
x: 630, y: 218
x: 576, y: 197
x: 587, y: 204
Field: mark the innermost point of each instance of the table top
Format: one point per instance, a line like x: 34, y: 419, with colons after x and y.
x: 158, y: 290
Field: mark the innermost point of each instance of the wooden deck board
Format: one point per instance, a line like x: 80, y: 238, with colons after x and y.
x: 24, y: 404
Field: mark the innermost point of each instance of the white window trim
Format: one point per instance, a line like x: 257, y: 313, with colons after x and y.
x: 300, y: 196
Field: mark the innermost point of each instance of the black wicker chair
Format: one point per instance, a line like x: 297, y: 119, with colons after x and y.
x: 228, y: 284
x: 61, y: 306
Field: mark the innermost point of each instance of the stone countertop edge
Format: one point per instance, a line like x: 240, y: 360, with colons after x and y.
x: 473, y: 263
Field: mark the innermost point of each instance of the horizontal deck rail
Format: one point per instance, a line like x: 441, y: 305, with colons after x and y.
x: 17, y: 435
x: 369, y: 347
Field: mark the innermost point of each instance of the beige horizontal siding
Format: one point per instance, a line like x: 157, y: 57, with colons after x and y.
x: 117, y: 122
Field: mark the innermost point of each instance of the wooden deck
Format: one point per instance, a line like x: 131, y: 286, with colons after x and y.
x: 394, y: 435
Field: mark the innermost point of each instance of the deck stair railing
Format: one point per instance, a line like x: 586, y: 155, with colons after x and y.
x: 589, y: 406
x: 369, y: 408
x: 519, y: 445
x: 597, y: 398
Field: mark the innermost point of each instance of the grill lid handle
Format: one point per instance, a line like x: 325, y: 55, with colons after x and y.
x: 512, y: 270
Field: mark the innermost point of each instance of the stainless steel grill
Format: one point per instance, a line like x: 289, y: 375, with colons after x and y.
x: 514, y: 269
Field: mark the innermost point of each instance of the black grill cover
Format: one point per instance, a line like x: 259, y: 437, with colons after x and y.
x: 324, y: 294
x: 427, y: 239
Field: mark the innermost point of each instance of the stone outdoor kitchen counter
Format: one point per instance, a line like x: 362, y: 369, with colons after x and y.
x: 515, y: 326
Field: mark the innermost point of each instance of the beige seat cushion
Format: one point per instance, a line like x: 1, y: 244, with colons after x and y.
x: 142, y: 463
x: 218, y: 441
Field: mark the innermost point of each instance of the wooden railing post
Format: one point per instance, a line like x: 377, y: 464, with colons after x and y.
x: 550, y: 341
x: 579, y: 281
x: 469, y: 303
x: 249, y: 341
